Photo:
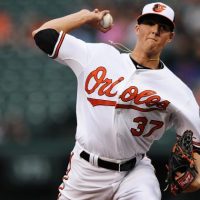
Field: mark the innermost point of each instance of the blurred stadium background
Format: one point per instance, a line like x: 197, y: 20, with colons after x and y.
x: 37, y: 95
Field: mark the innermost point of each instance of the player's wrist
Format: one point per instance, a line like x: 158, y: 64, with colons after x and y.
x: 86, y: 16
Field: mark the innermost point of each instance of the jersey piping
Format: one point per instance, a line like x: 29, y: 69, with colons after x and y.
x: 58, y: 45
x: 139, y: 66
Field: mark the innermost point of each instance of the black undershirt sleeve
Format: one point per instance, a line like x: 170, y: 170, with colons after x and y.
x: 46, y: 40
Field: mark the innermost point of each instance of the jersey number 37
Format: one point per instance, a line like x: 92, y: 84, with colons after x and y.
x: 142, y: 123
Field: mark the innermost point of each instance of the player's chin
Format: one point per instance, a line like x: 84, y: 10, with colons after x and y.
x: 151, y: 46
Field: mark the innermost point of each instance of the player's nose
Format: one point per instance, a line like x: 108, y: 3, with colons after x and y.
x: 155, y: 29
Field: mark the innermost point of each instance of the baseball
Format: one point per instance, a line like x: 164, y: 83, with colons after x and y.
x: 106, y: 21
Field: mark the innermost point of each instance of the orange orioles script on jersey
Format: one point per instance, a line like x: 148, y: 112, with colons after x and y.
x: 149, y: 98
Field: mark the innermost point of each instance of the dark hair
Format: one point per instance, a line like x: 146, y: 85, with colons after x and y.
x: 158, y: 18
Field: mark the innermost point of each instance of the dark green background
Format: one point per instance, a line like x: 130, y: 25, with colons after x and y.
x: 37, y: 97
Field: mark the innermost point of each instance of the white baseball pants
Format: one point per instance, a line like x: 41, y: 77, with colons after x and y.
x: 83, y: 181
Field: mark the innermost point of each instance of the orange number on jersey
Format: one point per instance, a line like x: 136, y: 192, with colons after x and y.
x: 142, y: 122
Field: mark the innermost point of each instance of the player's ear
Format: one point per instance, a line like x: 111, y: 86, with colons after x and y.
x: 137, y: 29
x: 171, y: 36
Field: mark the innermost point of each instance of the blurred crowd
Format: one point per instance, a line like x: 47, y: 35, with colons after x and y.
x: 37, y: 96
x: 19, y: 18
x: 183, y: 55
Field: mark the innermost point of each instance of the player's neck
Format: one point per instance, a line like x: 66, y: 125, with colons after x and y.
x: 150, y: 61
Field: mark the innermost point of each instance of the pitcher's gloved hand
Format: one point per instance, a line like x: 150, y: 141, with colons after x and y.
x: 181, y: 167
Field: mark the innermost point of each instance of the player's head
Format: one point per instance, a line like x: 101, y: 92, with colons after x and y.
x: 158, y: 12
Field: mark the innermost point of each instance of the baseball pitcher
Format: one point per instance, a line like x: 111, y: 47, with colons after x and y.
x: 125, y: 101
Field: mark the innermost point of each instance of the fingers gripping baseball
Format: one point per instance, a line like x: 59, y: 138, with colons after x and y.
x: 102, y: 20
x: 107, y: 21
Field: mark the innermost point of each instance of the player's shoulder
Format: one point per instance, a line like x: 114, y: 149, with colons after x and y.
x: 177, y: 81
x: 92, y: 47
x: 103, y: 48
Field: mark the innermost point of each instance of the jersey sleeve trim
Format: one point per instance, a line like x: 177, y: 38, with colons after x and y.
x: 57, y: 46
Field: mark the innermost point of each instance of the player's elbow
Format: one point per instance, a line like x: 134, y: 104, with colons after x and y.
x: 46, y: 39
x: 37, y: 30
x: 34, y: 33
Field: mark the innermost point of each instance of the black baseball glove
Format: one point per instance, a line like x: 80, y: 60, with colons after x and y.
x: 181, y: 162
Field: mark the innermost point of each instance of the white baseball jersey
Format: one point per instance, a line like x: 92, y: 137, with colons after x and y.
x: 120, y: 109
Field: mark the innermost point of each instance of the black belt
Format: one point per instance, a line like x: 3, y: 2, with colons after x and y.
x: 126, y: 166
